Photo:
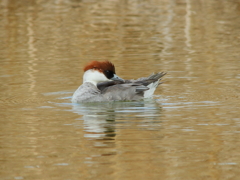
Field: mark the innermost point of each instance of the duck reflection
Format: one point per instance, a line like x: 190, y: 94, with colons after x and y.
x: 101, y: 119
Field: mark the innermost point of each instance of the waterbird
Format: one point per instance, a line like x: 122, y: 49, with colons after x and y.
x: 101, y: 84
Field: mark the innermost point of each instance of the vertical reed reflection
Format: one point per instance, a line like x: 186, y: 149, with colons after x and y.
x: 187, y: 31
x: 32, y: 62
x: 166, y: 29
x: 188, y: 24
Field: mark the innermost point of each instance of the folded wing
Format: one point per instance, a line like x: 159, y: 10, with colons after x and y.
x: 130, y: 89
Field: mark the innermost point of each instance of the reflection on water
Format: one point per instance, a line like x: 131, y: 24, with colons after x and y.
x: 100, y: 118
x: 32, y: 56
x: 188, y: 24
x: 191, y: 129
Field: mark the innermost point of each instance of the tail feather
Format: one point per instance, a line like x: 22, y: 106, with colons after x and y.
x: 152, y: 87
x: 153, y: 81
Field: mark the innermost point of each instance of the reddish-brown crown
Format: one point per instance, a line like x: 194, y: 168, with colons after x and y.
x: 100, y: 66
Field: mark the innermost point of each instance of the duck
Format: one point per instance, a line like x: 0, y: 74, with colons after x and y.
x: 101, y: 84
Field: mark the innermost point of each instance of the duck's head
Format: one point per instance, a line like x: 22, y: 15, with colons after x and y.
x: 100, y: 71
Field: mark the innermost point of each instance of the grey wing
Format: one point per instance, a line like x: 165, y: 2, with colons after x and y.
x: 101, y: 86
x: 121, y: 92
x: 148, y: 80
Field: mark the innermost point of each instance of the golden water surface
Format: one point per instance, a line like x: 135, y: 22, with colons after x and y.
x: 189, y: 131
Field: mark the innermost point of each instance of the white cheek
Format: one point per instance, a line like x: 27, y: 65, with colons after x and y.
x: 100, y: 77
x: 94, y: 77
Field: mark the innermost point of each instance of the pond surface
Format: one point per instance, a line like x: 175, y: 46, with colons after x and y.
x: 189, y: 130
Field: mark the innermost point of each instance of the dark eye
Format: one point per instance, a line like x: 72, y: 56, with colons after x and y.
x: 109, y: 74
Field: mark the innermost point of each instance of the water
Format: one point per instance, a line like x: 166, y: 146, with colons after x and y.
x: 189, y: 130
